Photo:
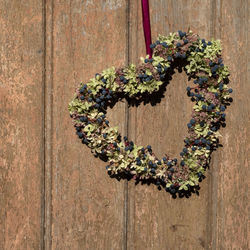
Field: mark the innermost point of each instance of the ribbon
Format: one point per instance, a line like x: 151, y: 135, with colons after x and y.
x: 146, y: 26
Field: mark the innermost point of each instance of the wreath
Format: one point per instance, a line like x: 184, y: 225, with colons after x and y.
x: 203, y: 63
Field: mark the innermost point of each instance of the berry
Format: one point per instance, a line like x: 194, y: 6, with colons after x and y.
x: 202, y: 123
x: 83, y: 118
x: 185, y: 41
x: 181, y: 34
x: 138, y: 163
x: 222, y: 108
x: 152, y: 46
x: 104, y: 135
x: 78, y: 129
x: 192, y: 121
x: 80, y: 135
x: 99, y: 120
x: 164, y: 44
x: 171, y: 170
x: 170, y: 58
x: 204, y: 107
x: 85, y: 141
x: 178, y: 54
x: 178, y: 45
x: 150, y: 163
x: 203, y: 140
x: 182, y: 163
x: 199, y: 174
x: 230, y: 90
x: 221, y: 86
x: 172, y: 190
x: 209, y: 108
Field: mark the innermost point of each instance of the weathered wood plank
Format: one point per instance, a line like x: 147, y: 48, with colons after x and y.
x: 156, y: 221
x: 231, y: 162
x: 21, y: 133
x: 87, y: 205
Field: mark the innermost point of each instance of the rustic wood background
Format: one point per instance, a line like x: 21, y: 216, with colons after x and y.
x: 53, y: 193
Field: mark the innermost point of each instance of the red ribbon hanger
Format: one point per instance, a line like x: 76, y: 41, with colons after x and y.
x: 146, y: 26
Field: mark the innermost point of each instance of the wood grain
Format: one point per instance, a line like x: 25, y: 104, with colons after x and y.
x: 231, y: 162
x: 156, y: 220
x: 87, y: 206
x: 53, y: 193
x: 21, y: 123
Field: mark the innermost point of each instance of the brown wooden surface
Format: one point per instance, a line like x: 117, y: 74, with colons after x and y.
x: 53, y: 193
x: 21, y: 124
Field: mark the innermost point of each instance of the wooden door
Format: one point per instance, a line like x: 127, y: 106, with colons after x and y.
x: 53, y: 193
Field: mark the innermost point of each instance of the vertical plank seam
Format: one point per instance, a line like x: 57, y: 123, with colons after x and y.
x: 212, y: 220
x: 42, y: 232
x: 48, y: 120
x: 125, y: 212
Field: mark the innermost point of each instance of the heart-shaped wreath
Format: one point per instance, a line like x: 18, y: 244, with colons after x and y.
x: 203, y: 63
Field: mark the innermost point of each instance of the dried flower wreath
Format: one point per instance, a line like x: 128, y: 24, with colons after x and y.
x: 203, y: 63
